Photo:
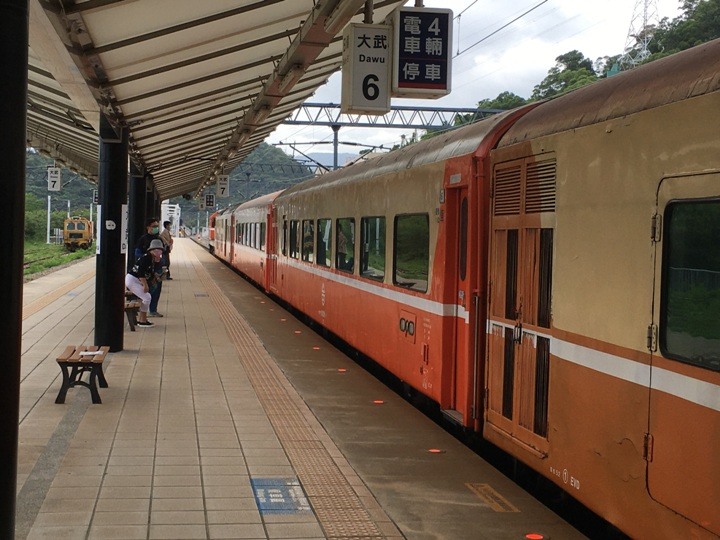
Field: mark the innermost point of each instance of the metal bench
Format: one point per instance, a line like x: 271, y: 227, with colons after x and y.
x: 74, y: 362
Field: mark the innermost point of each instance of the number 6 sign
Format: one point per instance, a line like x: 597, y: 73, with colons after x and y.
x: 366, y: 69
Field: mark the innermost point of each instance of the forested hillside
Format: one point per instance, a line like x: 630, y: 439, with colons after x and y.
x: 266, y: 170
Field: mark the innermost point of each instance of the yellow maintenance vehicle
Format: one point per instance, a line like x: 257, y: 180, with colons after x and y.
x: 77, y: 233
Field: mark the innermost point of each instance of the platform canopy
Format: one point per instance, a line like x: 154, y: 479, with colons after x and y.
x: 198, y: 83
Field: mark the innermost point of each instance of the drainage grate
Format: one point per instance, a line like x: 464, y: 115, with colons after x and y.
x: 492, y: 498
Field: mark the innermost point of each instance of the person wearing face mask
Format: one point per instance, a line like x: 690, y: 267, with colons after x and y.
x: 152, y: 231
x: 142, y: 277
x: 152, y: 227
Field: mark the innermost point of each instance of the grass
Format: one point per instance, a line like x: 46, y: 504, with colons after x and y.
x: 695, y: 312
x: 39, y: 256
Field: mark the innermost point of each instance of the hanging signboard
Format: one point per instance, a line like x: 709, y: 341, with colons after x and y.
x: 209, y: 200
x: 53, y: 178
x: 366, y: 69
x: 222, y: 188
x: 422, y: 53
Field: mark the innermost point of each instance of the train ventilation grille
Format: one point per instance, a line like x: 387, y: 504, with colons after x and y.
x: 507, y: 191
x: 540, y: 187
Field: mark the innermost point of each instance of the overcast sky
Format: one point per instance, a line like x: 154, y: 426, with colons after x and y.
x: 514, y: 59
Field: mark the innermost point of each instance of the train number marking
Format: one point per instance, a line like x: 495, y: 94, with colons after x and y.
x: 407, y: 327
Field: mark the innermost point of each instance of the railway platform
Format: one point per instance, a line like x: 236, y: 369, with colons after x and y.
x: 231, y: 419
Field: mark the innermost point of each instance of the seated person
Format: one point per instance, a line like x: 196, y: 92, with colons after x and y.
x: 141, y: 278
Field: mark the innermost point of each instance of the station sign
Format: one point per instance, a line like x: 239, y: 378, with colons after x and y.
x: 222, y: 187
x: 209, y: 200
x: 422, y: 57
x: 366, y: 69
x: 53, y: 178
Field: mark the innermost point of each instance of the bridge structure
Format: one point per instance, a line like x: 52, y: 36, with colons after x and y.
x: 400, y: 117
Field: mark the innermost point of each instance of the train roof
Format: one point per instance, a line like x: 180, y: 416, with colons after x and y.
x: 454, y: 143
x: 674, y: 78
x: 263, y: 200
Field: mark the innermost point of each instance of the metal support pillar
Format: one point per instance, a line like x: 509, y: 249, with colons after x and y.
x: 335, y: 129
x: 110, y: 274
x: 152, y: 207
x: 136, y: 211
x: 13, y: 103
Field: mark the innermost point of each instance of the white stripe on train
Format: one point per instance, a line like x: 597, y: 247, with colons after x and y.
x: 693, y: 390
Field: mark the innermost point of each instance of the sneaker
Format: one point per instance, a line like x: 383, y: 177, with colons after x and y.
x: 146, y: 323
x: 155, y: 314
x: 169, y: 278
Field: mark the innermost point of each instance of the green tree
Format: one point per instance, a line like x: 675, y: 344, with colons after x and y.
x: 698, y: 23
x: 504, y: 100
x: 572, y: 71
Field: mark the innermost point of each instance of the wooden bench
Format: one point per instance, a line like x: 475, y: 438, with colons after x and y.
x: 78, y: 359
x: 132, y: 306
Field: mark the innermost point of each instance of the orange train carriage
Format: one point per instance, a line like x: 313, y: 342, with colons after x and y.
x: 549, y: 276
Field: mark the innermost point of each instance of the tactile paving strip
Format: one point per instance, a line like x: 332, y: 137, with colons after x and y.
x: 337, y: 506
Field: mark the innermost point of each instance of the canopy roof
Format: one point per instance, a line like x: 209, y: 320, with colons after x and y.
x: 198, y: 84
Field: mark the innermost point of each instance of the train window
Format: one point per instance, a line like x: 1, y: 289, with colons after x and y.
x: 70, y: 226
x: 690, y: 326
x: 345, y: 241
x: 324, y: 242
x: 284, y: 237
x: 372, y: 254
x: 262, y: 236
x: 308, y: 240
x: 294, y: 247
x: 80, y: 226
x: 545, y: 278
x: 412, y: 252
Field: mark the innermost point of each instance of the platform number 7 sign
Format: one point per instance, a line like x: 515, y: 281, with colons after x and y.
x: 53, y: 178
x: 222, y: 188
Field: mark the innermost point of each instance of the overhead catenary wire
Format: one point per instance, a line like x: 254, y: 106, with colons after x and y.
x: 501, y: 28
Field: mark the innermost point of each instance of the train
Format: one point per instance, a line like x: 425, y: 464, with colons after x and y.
x: 77, y: 233
x: 548, y: 276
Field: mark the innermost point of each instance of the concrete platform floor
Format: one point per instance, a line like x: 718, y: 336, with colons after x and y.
x: 231, y: 419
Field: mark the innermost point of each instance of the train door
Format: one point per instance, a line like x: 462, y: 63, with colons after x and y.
x: 270, y: 258
x: 275, y: 246
x: 458, y: 217
x: 226, y: 240
x: 521, y: 255
x: 230, y: 237
x: 684, y: 417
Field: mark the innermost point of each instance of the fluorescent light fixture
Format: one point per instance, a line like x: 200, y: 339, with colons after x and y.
x: 341, y: 15
x: 232, y: 150
x: 291, y: 77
